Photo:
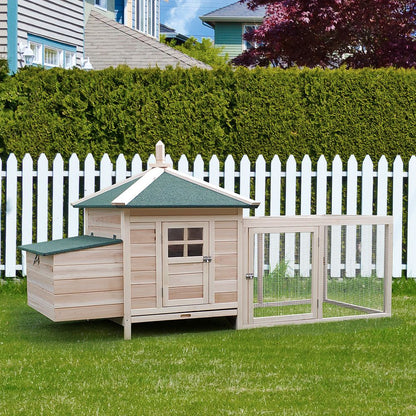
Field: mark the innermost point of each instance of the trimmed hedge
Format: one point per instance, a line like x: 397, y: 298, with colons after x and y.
x: 224, y: 111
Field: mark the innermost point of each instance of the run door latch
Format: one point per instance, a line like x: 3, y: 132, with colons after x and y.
x: 250, y: 276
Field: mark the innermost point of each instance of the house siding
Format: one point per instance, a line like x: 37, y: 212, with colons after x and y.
x: 3, y: 29
x: 110, y: 12
x: 54, y: 20
x: 229, y: 37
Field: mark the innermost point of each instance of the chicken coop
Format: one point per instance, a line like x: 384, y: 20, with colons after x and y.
x: 163, y: 245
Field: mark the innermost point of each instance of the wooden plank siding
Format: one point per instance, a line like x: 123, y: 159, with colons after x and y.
x: 103, y: 223
x: 85, y: 284
x: 3, y: 29
x: 57, y: 20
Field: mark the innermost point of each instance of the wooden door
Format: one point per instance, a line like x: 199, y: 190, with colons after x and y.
x: 185, y: 263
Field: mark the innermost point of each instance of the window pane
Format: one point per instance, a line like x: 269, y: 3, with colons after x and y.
x: 175, y: 234
x: 37, y: 50
x: 194, y: 250
x: 175, y: 250
x: 51, y: 56
x: 69, y: 60
x: 195, y: 233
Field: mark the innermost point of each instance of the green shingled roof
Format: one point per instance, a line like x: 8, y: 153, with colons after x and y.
x: 168, y: 191
x: 64, y: 245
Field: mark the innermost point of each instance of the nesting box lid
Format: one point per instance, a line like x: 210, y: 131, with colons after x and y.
x: 64, y: 245
x: 163, y: 187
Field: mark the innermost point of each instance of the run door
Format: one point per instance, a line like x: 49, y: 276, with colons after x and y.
x: 186, y: 263
x: 282, y: 274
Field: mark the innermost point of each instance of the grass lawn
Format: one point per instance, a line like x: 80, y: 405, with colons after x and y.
x: 201, y: 367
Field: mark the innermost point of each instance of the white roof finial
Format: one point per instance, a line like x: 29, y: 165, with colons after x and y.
x: 160, y: 156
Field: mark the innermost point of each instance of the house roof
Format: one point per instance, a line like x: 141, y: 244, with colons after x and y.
x: 163, y: 187
x: 108, y: 43
x: 64, y: 245
x: 236, y: 12
x: 171, y: 33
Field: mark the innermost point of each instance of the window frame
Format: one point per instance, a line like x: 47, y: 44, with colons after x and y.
x: 101, y: 4
x: 245, y: 42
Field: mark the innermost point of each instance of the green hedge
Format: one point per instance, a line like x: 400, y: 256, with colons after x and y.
x: 224, y: 111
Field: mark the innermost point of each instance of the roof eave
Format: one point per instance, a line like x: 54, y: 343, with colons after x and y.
x: 232, y: 19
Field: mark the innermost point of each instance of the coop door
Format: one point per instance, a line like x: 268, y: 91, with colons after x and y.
x: 282, y: 279
x: 186, y: 263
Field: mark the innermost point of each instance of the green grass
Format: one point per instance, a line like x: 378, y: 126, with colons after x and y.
x: 201, y: 367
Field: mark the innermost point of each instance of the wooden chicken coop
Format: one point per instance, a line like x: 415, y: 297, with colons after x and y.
x: 163, y: 245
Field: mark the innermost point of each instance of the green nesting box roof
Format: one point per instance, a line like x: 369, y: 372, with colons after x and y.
x: 164, y: 188
x: 65, y: 245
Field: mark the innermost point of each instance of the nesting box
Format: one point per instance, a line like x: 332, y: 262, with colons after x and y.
x: 163, y: 245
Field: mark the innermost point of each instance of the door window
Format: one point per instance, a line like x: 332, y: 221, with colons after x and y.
x: 185, y: 242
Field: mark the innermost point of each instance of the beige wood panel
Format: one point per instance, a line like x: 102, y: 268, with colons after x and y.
x: 30, y: 257
x: 226, y: 273
x: 226, y: 297
x: 91, y: 256
x: 85, y: 271
x: 89, y: 312
x: 41, y: 279
x: 185, y: 292
x: 143, y: 264
x: 226, y: 247
x: 225, y: 286
x: 104, y: 217
x: 88, y: 299
x: 143, y: 276
x: 184, y: 268
x: 185, y: 315
x: 39, y: 304
x: 143, y: 290
x: 185, y: 308
x: 143, y: 250
x: 226, y: 224
x: 137, y: 213
x: 143, y: 303
x: 99, y: 284
x: 186, y: 279
x: 143, y: 236
x: 226, y: 234
x: 226, y: 260
x: 35, y: 290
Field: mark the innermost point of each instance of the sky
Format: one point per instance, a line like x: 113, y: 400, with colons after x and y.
x: 183, y: 15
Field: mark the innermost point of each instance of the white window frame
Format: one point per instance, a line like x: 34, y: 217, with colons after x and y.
x: 37, y: 49
x: 102, y: 4
x: 246, y: 43
x: 59, y: 56
x: 70, y: 59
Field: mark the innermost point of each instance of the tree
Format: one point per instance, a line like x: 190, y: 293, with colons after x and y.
x: 204, y: 51
x: 330, y: 33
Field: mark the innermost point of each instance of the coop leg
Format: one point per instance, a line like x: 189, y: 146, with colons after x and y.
x: 127, y: 328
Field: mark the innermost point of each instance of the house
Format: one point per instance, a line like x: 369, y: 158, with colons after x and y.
x: 230, y: 23
x: 171, y: 34
x: 165, y: 246
x: 56, y: 33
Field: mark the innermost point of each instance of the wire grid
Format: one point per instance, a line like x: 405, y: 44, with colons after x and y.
x: 283, y: 278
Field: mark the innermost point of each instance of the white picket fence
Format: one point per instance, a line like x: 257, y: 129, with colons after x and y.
x: 42, y: 197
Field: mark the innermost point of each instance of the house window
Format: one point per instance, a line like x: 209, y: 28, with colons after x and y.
x: 101, y: 3
x: 37, y: 50
x: 146, y: 13
x: 70, y: 59
x: 246, y: 44
x: 185, y: 242
x: 50, y: 53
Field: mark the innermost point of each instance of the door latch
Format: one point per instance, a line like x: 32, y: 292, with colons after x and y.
x: 250, y: 276
x: 207, y: 259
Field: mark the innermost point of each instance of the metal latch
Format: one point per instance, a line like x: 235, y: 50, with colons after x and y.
x: 250, y: 276
x: 207, y: 259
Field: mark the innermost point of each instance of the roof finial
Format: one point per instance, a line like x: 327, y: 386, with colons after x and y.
x: 160, y: 156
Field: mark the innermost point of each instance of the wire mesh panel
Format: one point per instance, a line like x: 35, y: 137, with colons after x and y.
x: 354, y: 272
x: 282, y: 274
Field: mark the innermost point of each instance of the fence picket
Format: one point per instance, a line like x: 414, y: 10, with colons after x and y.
x: 290, y: 209
x: 351, y: 231
x: 397, y: 215
x: 121, y: 168
x: 214, y: 171
x: 106, y: 172
x: 275, y: 196
x: 305, y: 209
x: 229, y: 174
x: 245, y: 181
x: 183, y: 165
x: 199, y: 167
x: 366, y: 209
x: 411, y: 219
x: 42, y: 199
x: 336, y: 209
x: 136, y: 165
x: 73, y: 195
x: 27, y: 205
x: 321, y: 186
x: 11, y: 216
x: 382, y: 186
x: 89, y: 175
x: 260, y: 186
x: 57, y: 197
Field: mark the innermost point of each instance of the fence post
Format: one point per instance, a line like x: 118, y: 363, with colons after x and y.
x: 11, y: 216
x: 73, y: 195
x: 398, y: 215
x: 27, y: 205
x: 351, y: 230
x: 57, y: 197
x: 42, y: 199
